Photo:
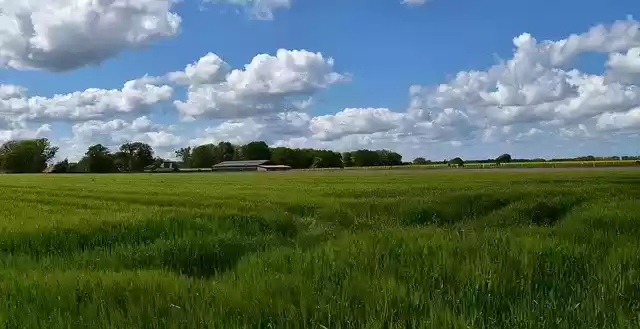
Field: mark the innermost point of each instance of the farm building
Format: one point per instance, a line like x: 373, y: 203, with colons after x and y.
x: 273, y: 168
x: 165, y: 166
x: 252, y: 165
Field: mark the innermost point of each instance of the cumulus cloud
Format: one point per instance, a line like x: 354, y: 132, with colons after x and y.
x: 271, y: 128
x: 209, y: 69
x: 414, y: 2
x: 10, y: 92
x: 355, y: 121
x: 532, y: 95
x: 60, y: 35
x: 268, y: 84
x: 534, y: 86
x: 612, y: 121
x: 259, y: 9
x: 535, y: 94
x: 625, y: 67
x: 135, y: 97
x: 115, y: 132
x: 19, y: 133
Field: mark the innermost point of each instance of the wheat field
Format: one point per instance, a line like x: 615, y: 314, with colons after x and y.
x: 352, y: 249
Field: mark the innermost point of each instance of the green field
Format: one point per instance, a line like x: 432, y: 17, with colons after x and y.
x: 378, y: 249
x: 511, y: 165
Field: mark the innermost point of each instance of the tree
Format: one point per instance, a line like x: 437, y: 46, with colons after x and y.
x: 420, y: 161
x: 317, y: 161
x: 283, y: 156
x: 256, y: 151
x: 347, y: 159
x: 203, y: 156
x: 61, y: 167
x: 456, y: 162
x: 184, y: 154
x: 388, y: 158
x: 505, y: 158
x: 134, y: 156
x: 26, y: 156
x: 98, y: 159
x: 225, y: 152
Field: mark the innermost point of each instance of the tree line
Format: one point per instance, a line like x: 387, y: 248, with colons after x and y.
x: 205, y: 156
x: 35, y: 155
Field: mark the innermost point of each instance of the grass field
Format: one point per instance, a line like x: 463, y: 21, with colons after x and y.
x: 417, y: 249
x: 510, y: 165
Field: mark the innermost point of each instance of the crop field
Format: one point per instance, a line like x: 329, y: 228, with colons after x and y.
x: 510, y: 165
x: 376, y: 249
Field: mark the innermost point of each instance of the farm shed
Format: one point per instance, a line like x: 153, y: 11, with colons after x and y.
x: 164, y: 166
x: 252, y: 165
x: 273, y: 168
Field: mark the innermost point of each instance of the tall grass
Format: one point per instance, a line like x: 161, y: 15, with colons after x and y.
x: 379, y: 249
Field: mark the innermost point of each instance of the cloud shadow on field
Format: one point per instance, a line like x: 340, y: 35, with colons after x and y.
x: 455, y: 209
x: 194, y: 247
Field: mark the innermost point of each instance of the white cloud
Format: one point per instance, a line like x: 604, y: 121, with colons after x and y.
x: 135, y: 97
x: 10, y: 91
x: 535, y: 95
x: 24, y: 133
x: 355, y: 121
x: 209, y: 69
x: 580, y: 131
x: 259, y: 9
x: 60, y: 35
x: 269, y: 84
x: 625, y: 67
x: 531, y: 96
x: 162, y: 139
x: 115, y: 132
x: 527, y: 135
x: 534, y: 87
x: 414, y: 2
x: 612, y: 121
x: 629, y: 62
x: 270, y: 128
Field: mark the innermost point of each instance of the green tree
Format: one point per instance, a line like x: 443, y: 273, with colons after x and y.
x: 98, y: 159
x: 256, y: 151
x: 347, y: 159
x: 456, y: 162
x: 225, y: 152
x: 420, y: 161
x: 135, y: 156
x: 317, y: 163
x: 184, y: 154
x: 26, y: 156
x: 388, y: 158
x: 203, y: 156
x: 61, y: 167
x: 283, y: 156
x: 505, y: 158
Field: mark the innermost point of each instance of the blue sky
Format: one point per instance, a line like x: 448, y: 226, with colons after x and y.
x: 360, y: 55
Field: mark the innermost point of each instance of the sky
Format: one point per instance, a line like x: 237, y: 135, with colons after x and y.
x: 430, y: 78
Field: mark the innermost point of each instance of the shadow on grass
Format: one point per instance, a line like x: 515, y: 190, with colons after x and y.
x: 455, y: 209
x: 544, y: 212
x: 197, y: 247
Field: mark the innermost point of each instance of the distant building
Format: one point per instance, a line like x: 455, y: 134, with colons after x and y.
x: 164, y: 166
x: 273, y: 168
x: 251, y: 165
x: 169, y: 165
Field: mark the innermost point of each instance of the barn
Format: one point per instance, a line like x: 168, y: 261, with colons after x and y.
x: 250, y: 165
x: 273, y: 168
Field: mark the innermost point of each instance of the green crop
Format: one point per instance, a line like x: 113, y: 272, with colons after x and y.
x: 335, y: 249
